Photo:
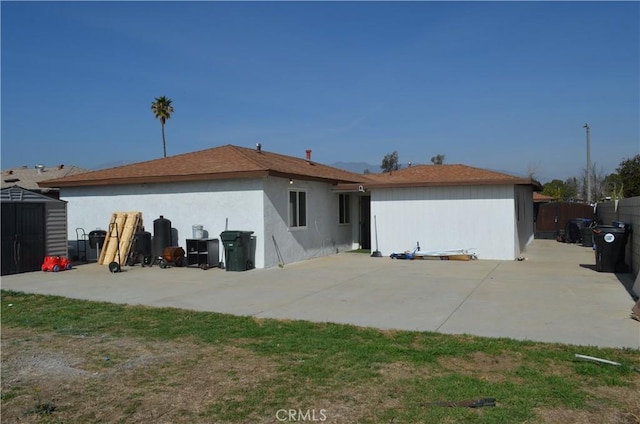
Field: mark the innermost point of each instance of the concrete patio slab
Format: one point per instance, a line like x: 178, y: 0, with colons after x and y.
x: 555, y: 295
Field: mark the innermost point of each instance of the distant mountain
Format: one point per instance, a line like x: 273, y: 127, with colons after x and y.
x: 357, y: 167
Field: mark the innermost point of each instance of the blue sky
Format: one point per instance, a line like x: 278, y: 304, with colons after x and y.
x: 498, y: 85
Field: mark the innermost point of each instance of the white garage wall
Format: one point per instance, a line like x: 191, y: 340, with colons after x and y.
x: 445, y: 218
x: 323, y: 235
x: 207, y: 203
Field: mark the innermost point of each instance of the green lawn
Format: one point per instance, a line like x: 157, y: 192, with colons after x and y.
x: 258, y: 367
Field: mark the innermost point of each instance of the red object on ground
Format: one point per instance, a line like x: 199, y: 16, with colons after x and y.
x: 55, y: 263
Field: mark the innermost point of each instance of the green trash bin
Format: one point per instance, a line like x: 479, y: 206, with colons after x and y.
x: 237, y: 250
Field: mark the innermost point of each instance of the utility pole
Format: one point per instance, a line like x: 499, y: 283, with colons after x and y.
x: 588, y: 164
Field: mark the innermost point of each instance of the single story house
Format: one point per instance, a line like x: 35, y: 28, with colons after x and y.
x: 304, y: 209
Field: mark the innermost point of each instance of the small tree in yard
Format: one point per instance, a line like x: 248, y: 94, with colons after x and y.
x: 572, y: 185
x: 559, y: 190
x: 614, y: 187
x: 390, y: 162
x: 629, y: 172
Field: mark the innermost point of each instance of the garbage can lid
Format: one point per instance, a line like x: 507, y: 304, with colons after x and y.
x: 231, y: 235
x: 235, y: 232
x: 608, y: 229
x: 621, y: 224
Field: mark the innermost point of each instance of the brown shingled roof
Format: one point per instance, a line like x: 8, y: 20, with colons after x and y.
x: 441, y: 175
x: 539, y: 197
x: 216, y: 163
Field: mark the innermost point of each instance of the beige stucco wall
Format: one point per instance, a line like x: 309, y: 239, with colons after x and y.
x: 323, y: 235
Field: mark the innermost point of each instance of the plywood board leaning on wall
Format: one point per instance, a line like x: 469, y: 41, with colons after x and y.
x: 119, y: 239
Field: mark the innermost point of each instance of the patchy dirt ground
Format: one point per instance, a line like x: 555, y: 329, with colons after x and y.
x: 52, y: 378
x: 118, y: 380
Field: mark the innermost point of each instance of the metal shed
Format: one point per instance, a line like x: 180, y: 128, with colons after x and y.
x: 33, y: 226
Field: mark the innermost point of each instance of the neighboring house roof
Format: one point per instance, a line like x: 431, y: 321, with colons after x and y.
x: 30, y: 177
x: 222, y: 162
x: 540, y: 198
x: 442, y: 175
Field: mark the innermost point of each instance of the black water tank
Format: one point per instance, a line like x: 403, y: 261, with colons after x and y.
x: 161, y: 235
x: 142, y: 243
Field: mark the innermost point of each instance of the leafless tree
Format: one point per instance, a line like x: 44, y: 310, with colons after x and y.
x: 598, y: 186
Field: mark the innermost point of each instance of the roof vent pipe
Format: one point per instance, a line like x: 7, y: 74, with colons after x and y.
x: 40, y: 168
x: 309, y: 154
x: 258, y: 147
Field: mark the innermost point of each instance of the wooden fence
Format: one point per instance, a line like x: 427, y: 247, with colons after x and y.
x: 552, y: 218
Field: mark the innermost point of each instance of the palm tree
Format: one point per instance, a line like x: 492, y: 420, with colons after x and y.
x: 162, y: 109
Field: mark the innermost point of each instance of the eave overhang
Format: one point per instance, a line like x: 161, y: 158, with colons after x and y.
x: 150, y: 179
x: 366, y: 186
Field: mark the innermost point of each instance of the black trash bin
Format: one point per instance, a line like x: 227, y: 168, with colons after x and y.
x: 587, y: 233
x: 587, y: 236
x: 237, y: 250
x: 573, y: 232
x: 610, y: 245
